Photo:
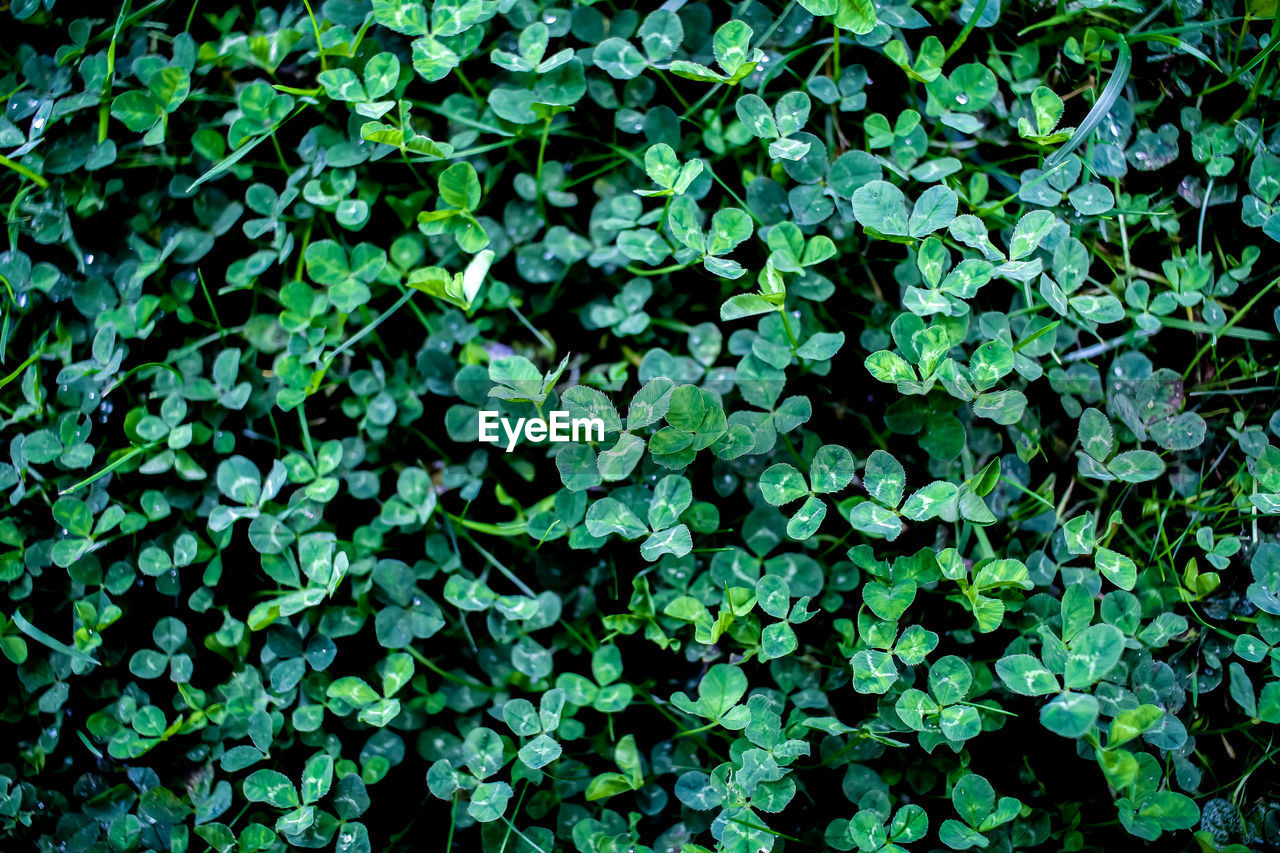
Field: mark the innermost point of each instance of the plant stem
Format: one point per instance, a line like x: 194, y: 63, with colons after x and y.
x: 542, y: 150
x: 22, y: 170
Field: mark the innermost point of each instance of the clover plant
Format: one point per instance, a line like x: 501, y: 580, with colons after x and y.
x: 929, y: 351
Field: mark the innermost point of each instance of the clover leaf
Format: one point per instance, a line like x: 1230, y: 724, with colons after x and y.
x: 733, y: 53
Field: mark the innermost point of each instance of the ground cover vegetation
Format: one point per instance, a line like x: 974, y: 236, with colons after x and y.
x: 935, y: 345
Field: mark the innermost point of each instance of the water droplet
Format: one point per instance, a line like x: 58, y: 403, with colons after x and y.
x: 962, y: 98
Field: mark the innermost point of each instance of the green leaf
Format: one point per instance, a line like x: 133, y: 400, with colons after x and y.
x: 608, y: 515
x: 137, y: 110
x: 884, y: 478
x: 756, y: 115
x: 731, y: 46
x: 1092, y: 655
x: 857, y: 16
x: 933, y: 210
x: 875, y: 521
x: 973, y: 798
x: 317, y: 777
x: 881, y: 207
x: 540, y: 752
x: 1070, y: 715
x: 782, y: 484
x: 718, y: 691
x: 807, y: 519
x: 936, y: 499
x: 1025, y: 675
x: 459, y: 186
x: 1116, y: 567
x: 821, y: 346
x: 271, y: 787
x: 831, y: 469
x: 1136, y: 466
x: 889, y: 603
x: 1047, y: 108
x: 873, y: 671
x: 618, y: 58
x: 889, y: 367
x: 1132, y: 722
x: 1095, y: 434
x: 777, y: 640
x: 489, y: 801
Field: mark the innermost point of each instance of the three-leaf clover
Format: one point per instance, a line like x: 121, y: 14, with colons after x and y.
x: 531, y: 49
x: 276, y: 789
x: 169, y: 636
x: 872, y: 833
x: 771, y: 296
x: 944, y: 709
x: 875, y: 670
x: 665, y: 169
x: 665, y: 533
x: 778, y: 639
x: 660, y: 35
x: 829, y: 472
x: 147, y: 110
x: 718, y: 694
x: 602, y: 694
x: 539, y: 724
x: 627, y: 756
x: 1046, y: 111
x: 460, y: 288
x: 988, y: 579
x: 519, y: 381
x: 695, y: 421
x: 381, y: 73
x: 787, y: 117
x: 927, y: 65
x: 458, y: 199
x: 1097, y: 440
x: 881, y: 208
x: 729, y: 227
x: 352, y: 693
x: 884, y: 479
x: 975, y: 801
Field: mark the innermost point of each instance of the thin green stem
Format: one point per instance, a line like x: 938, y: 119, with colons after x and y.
x: 968, y: 28
x: 835, y: 53
x: 142, y: 448
x: 634, y: 270
x: 354, y: 339
x: 1204, y: 208
x: 22, y: 170
x: 497, y: 564
x: 542, y: 151
x: 1235, y: 318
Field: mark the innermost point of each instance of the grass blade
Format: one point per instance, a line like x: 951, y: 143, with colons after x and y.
x: 45, y: 640
x: 1110, y: 94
